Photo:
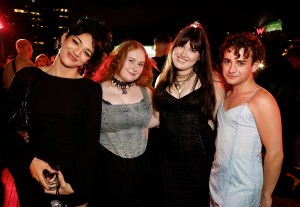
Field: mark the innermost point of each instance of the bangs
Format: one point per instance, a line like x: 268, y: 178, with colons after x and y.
x: 194, y: 36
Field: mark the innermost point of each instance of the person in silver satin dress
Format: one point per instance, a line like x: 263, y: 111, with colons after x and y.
x: 248, y: 119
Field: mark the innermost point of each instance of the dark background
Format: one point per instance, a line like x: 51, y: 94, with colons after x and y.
x: 143, y: 20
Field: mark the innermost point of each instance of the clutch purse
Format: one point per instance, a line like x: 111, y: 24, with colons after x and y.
x: 20, y: 117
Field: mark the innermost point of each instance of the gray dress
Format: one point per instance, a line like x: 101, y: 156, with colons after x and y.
x: 122, y: 127
x: 121, y: 174
x: 236, y: 177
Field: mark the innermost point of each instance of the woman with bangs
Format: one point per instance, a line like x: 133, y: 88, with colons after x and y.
x: 187, y: 95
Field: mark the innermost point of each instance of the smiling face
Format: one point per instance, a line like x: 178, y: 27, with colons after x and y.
x: 133, y: 65
x: 184, y: 57
x: 76, y: 50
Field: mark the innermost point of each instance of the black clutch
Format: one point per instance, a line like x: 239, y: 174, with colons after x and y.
x: 20, y: 117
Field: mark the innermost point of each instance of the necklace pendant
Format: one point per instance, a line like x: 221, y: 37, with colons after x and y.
x: 121, y: 85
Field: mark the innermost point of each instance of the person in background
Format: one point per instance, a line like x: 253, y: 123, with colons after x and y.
x: 2, y: 89
x: 187, y: 95
x: 23, y: 59
x: 52, y: 59
x: 162, y: 45
x: 240, y: 176
x: 65, y: 118
x: 126, y: 77
x: 41, y: 60
x: 282, y: 80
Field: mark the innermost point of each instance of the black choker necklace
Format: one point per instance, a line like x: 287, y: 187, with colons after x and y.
x: 121, y: 85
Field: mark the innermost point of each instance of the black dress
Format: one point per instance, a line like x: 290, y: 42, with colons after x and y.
x: 65, y: 129
x: 187, y: 150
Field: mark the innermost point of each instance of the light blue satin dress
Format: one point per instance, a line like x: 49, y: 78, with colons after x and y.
x: 236, y: 177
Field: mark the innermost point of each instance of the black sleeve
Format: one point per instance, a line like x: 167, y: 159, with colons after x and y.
x: 86, y: 156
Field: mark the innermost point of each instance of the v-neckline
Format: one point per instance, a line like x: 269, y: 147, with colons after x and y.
x: 184, y: 95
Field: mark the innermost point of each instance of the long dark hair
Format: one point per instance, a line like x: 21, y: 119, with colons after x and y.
x: 196, y: 34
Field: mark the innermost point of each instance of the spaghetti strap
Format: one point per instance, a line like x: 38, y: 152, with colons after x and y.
x: 253, y: 94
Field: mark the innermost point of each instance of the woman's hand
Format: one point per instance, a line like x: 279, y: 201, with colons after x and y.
x: 37, y: 167
x: 64, y: 189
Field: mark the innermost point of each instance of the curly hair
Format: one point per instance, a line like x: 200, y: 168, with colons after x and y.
x: 246, y: 40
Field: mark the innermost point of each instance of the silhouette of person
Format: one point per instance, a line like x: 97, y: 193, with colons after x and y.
x: 41, y: 60
x: 282, y: 80
x: 162, y: 45
x: 52, y: 59
x: 23, y: 59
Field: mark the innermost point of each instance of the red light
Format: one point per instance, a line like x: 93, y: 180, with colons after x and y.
x: 1, y: 25
x: 260, y: 30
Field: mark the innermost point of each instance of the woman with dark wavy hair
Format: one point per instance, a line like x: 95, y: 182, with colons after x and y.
x: 65, y: 117
x: 187, y: 95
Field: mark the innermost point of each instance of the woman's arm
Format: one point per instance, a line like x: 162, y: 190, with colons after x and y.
x: 219, y: 91
x: 88, y: 144
x: 154, y: 121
